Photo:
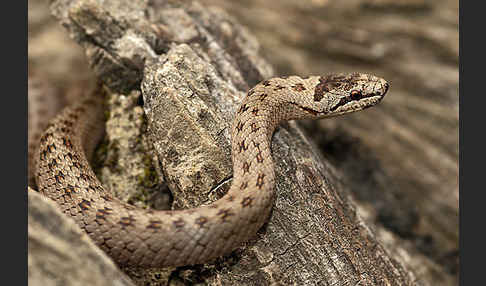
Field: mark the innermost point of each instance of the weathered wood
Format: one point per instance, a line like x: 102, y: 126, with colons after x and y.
x: 62, y: 254
x: 401, y: 159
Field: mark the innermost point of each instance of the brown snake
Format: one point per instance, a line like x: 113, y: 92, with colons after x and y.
x: 134, y: 236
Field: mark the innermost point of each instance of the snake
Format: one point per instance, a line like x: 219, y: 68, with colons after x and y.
x: 156, y: 238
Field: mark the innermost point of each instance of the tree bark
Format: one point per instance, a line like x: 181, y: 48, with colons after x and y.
x: 60, y: 253
x: 401, y: 159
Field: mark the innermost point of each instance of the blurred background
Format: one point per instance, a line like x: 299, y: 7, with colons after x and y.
x: 401, y: 158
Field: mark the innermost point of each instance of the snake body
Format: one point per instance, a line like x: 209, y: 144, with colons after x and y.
x: 43, y: 104
x: 149, y: 238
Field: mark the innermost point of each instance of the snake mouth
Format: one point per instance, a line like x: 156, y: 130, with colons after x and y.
x: 347, y: 107
x: 386, y: 86
x: 357, y: 105
x: 358, y: 101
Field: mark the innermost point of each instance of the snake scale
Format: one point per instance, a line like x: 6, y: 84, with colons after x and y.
x: 150, y: 238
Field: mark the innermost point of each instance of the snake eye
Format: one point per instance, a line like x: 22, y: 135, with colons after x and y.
x: 355, y: 94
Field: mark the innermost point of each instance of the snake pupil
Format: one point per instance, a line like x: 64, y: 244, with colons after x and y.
x: 355, y: 94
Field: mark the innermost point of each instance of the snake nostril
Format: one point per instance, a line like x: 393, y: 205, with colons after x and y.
x: 385, y: 88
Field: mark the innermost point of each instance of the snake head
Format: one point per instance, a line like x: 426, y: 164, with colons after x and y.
x: 337, y: 94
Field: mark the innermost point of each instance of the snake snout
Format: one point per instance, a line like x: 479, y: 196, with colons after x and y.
x: 380, y: 88
x: 385, y: 88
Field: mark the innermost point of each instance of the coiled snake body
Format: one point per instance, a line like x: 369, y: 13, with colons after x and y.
x: 134, y: 236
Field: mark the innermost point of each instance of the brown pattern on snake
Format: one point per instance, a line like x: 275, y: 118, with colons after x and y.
x: 43, y: 104
x: 134, y: 236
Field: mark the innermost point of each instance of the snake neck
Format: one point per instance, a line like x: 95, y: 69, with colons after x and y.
x: 255, y: 122
x: 252, y: 161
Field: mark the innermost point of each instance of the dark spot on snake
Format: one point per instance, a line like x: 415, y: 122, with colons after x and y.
x: 73, y: 116
x: 266, y: 83
x: 239, y: 126
x: 244, y: 185
x: 43, y: 155
x: 260, y: 181
x: 246, y: 167
x: 201, y: 221
x: 255, y: 111
x: 246, y: 202
x: 52, y: 164
x: 68, y: 155
x: 320, y: 89
x: 84, y: 177
x: 154, y: 224
x: 225, y: 214
x: 59, y: 176
x: 330, y: 82
x: 67, y: 123
x: 256, y: 145
x: 279, y: 87
x: 263, y: 96
x: 85, y: 205
x: 259, y: 157
x: 67, y: 196
x: 243, y: 108
x: 67, y: 143
x: 341, y: 102
x: 102, y: 213
x: 254, y: 128
x: 69, y: 189
x: 127, y: 221
x: 51, y: 147
x: 242, y: 146
x: 179, y: 223
x: 46, y: 136
x: 76, y: 165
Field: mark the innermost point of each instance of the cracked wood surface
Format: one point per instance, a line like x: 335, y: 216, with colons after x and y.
x: 401, y: 160
x: 57, y: 245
